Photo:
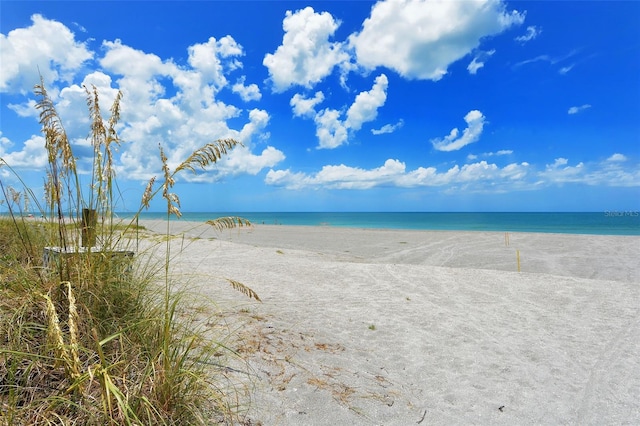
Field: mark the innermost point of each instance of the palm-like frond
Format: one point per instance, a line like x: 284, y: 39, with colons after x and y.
x: 228, y: 222
x: 208, y: 154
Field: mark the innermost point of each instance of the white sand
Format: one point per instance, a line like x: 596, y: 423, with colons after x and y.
x: 381, y: 327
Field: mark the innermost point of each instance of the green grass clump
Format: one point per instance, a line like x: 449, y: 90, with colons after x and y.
x: 94, y: 337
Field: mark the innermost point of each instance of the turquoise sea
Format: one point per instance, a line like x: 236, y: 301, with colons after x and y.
x: 600, y: 223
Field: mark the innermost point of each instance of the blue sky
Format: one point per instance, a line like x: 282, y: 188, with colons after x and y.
x: 342, y: 105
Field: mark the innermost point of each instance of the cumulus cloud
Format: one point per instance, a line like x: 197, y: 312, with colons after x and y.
x: 616, y: 158
x: 454, y: 141
x: 561, y: 172
x: 419, y: 39
x: 174, y: 105
x: 365, y: 107
x: 532, y: 33
x: 577, y: 109
x: 193, y: 116
x: 306, y: 55
x: 388, y: 128
x: 338, y: 176
x: 210, y: 58
x: 305, y: 107
x: 479, y: 61
x: 32, y: 156
x: 394, y: 173
x: 331, y: 129
x: 247, y: 93
x: 46, y: 47
x: 242, y: 160
x: 478, y: 176
x: 609, y: 172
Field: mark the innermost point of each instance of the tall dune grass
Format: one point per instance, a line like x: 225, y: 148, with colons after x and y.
x: 92, y: 338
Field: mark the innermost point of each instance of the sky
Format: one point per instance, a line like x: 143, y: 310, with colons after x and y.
x: 395, y: 105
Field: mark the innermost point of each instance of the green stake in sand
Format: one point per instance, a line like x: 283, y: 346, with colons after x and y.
x: 518, y: 259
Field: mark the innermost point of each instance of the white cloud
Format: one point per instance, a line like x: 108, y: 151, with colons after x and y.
x: 209, y: 59
x: 419, y: 39
x: 501, y: 152
x: 163, y: 103
x: 479, y: 176
x: 577, y: 109
x: 305, y: 107
x: 72, y: 107
x: 606, y: 173
x: 388, y: 128
x: 306, y: 55
x: 566, y: 69
x: 32, y: 156
x: 550, y: 60
x: 479, y: 61
x: 331, y: 130
x: 365, y: 107
x: 560, y: 172
x: 475, y: 176
x: 46, y: 47
x: 242, y: 160
x: 140, y: 73
x: 616, y: 158
x: 258, y: 120
x: 344, y: 177
x: 452, y: 142
x: 338, y: 177
x: 26, y: 109
x: 532, y: 33
x: 247, y: 93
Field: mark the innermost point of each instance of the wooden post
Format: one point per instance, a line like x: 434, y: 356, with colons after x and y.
x: 89, y: 221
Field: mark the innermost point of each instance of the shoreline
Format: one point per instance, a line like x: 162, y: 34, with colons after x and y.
x: 589, y: 223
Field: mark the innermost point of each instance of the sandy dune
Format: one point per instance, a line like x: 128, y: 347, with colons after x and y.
x: 385, y: 327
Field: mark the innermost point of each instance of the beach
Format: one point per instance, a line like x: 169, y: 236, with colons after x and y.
x: 392, y: 327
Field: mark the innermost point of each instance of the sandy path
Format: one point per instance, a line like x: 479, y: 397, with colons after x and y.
x: 372, y: 327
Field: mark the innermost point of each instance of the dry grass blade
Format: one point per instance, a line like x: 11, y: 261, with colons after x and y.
x: 61, y: 352
x: 148, y: 193
x: 54, y: 332
x: 115, y: 117
x: 238, y: 286
x: 208, y: 154
x: 98, y: 130
x: 228, y: 222
x: 73, y: 321
x: 56, y: 141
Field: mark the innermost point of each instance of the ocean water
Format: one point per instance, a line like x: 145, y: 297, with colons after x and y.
x: 600, y: 223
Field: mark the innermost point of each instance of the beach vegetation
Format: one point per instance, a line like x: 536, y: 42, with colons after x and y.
x: 92, y: 333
